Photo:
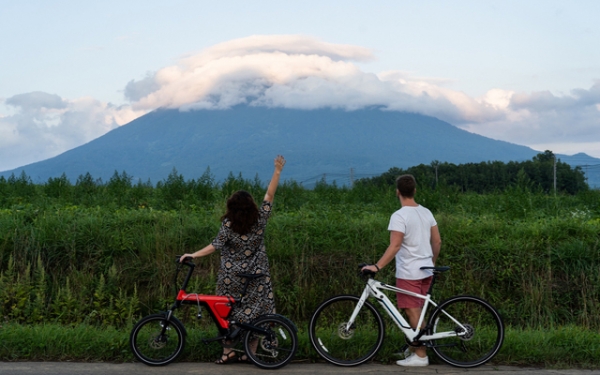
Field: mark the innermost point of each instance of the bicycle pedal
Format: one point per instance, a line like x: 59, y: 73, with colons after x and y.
x: 206, y: 341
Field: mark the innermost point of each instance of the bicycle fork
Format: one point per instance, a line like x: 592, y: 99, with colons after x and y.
x: 364, y: 296
x: 165, y: 325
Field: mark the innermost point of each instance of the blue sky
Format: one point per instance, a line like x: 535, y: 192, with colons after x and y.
x: 523, y: 72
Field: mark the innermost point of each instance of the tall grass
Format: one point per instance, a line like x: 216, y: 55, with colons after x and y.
x: 103, y: 254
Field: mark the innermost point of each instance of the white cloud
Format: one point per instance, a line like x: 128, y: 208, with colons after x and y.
x: 298, y: 72
x: 303, y: 72
x: 45, y: 125
x: 37, y: 100
x: 228, y: 73
x: 542, y: 118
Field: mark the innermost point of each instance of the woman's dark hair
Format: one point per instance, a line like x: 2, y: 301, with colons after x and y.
x: 242, y: 212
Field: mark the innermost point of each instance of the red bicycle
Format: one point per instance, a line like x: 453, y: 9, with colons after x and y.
x: 270, y: 341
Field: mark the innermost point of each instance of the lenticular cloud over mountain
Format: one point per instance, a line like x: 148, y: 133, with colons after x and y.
x: 296, y: 72
x: 245, y: 71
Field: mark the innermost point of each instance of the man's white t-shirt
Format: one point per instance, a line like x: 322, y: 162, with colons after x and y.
x: 415, y: 252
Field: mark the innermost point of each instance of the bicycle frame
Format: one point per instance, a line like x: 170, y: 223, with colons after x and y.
x: 219, y: 307
x: 373, y: 289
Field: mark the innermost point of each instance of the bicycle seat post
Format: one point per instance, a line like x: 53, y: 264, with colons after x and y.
x: 249, y: 277
x: 436, y: 271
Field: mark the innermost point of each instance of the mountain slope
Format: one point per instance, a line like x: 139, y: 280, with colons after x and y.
x: 244, y: 139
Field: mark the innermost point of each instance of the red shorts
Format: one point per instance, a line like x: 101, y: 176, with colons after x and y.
x: 416, y: 286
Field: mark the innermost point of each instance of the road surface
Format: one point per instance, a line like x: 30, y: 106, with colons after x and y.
x: 294, y: 368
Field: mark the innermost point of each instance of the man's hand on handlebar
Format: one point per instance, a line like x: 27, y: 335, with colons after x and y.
x: 370, y: 268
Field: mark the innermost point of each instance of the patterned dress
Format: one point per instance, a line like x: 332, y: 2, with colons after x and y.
x: 246, y: 254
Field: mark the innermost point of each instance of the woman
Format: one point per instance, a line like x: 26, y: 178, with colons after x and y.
x: 241, y: 243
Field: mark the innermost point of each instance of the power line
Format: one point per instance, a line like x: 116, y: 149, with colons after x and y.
x: 586, y: 166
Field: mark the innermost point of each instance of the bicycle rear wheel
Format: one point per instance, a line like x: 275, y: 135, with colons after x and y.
x: 155, y: 346
x: 339, y: 345
x: 484, y: 337
x: 274, y: 349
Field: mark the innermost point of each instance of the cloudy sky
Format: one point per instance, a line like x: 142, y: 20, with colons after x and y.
x: 526, y: 72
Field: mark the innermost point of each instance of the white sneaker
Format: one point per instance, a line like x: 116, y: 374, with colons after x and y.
x: 414, y: 361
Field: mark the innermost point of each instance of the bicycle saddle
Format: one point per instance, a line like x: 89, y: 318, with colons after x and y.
x: 251, y: 276
x: 436, y: 269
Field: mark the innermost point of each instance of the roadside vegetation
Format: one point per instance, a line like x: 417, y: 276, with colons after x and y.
x: 81, y: 262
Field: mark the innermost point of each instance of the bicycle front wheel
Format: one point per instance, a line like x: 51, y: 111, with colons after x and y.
x: 342, y: 345
x: 275, y: 346
x: 484, y: 331
x: 155, y: 341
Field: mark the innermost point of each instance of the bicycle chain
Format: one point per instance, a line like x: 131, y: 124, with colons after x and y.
x: 232, y: 343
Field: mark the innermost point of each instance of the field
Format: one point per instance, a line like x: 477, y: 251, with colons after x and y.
x: 81, y: 263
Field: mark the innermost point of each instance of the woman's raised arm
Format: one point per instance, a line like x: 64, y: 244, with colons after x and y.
x: 279, y: 163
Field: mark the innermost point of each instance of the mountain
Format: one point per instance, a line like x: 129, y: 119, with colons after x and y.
x: 327, y: 143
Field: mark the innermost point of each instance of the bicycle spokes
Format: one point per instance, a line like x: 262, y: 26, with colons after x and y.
x: 156, y: 341
x: 275, y: 346
x: 479, y: 335
x: 342, y: 344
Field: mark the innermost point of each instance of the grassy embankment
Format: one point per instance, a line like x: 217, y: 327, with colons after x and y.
x: 75, y: 274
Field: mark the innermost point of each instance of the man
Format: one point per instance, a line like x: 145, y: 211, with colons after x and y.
x: 415, y: 242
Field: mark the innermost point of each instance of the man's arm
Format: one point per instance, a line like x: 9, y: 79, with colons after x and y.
x: 396, y: 239
x: 436, y: 242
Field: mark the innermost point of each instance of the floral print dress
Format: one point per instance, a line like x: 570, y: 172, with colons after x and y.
x: 246, y: 254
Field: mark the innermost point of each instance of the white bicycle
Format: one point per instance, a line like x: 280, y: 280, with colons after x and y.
x: 463, y: 331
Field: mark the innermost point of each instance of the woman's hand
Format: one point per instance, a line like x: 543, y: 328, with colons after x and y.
x: 279, y: 163
x: 208, y: 249
x: 184, y: 256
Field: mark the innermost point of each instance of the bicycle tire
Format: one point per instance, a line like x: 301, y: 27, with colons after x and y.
x: 485, y: 331
x: 152, y: 348
x: 346, y: 347
x: 275, y: 350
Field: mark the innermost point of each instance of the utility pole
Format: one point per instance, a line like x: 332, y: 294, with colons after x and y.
x: 435, y: 165
x: 351, y: 177
x: 554, y: 174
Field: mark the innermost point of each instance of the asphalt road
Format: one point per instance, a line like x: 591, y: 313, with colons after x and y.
x: 189, y: 368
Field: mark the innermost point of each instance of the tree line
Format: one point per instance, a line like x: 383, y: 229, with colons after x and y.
x: 540, y: 173
x: 120, y: 190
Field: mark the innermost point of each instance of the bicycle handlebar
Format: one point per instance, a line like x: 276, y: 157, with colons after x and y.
x: 186, y: 261
x: 366, y: 273
x: 436, y: 270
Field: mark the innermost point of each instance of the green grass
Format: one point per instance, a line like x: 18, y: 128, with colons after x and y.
x: 74, y: 265
x: 562, y: 347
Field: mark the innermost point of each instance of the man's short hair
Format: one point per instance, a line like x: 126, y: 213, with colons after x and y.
x: 406, y: 185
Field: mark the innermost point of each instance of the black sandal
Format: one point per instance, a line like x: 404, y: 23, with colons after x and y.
x: 243, y: 359
x: 226, y: 358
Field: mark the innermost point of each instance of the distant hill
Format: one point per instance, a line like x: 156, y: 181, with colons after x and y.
x: 327, y: 143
